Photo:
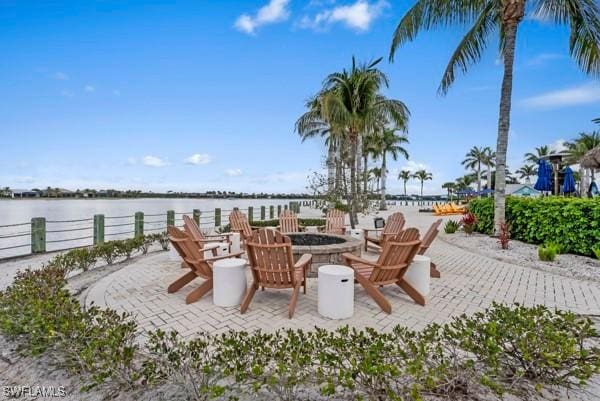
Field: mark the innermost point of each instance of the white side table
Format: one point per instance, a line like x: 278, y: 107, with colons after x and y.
x: 235, y: 242
x: 355, y: 233
x: 222, y: 248
x: 418, y: 274
x: 229, y: 281
x: 336, y: 291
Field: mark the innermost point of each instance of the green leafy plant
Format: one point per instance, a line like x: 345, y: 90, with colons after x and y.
x: 596, y: 251
x: 468, y: 222
x: 451, y: 226
x: 107, y: 251
x: 571, y: 222
x: 547, y: 253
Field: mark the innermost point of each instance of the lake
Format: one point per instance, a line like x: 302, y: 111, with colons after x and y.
x: 121, y: 223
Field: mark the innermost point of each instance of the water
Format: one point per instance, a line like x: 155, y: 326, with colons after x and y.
x: 23, y: 210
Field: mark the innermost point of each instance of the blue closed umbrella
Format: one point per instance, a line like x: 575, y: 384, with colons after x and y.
x: 569, y: 181
x: 486, y: 191
x: 468, y: 192
x: 544, y: 181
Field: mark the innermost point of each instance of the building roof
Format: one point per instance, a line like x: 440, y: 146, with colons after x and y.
x: 514, y: 188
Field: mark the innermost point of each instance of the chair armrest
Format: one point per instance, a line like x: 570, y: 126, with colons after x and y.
x: 368, y: 230
x: 229, y: 255
x: 304, y: 260
x: 204, y: 241
x: 349, y: 258
x: 224, y: 236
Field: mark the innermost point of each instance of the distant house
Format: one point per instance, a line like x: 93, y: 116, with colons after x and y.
x: 526, y: 190
x: 24, y: 193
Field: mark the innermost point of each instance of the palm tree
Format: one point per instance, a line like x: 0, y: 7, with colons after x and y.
x: 464, y: 182
x: 579, y: 147
x: 488, y: 19
x: 404, y: 176
x: 473, y: 160
x: 351, y: 100
x: 540, y: 153
x: 388, y: 142
x: 449, y: 186
x: 596, y: 120
x: 489, y: 161
x: 526, y: 171
x: 422, y: 176
x: 375, y: 172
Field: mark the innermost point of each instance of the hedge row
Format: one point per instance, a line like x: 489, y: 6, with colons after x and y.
x: 515, y: 350
x: 573, y: 223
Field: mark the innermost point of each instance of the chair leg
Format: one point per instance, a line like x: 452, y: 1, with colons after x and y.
x: 377, y: 296
x: 293, y: 302
x: 248, y: 297
x: 199, y: 292
x: 433, y: 271
x: 180, y: 282
x: 411, y: 292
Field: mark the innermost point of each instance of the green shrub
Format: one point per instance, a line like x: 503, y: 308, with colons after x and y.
x: 451, y: 226
x: 519, y: 347
x: 107, y: 251
x: 547, y: 253
x: 596, y: 251
x: 572, y: 222
x: 83, y: 258
x: 126, y: 247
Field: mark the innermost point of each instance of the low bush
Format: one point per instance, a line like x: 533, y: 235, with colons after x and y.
x: 547, y: 253
x: 451, y: 226
x: 572, y: 222
x: 596, y: 251
x: 468, y: 222
x: 108, y: 251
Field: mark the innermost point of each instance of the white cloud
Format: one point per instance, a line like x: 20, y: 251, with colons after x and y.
x: 357, y: 16
x: 198, y: 158
x: 413, y: 166
x: 544, y: 58
x: 275, y: 11
x: 558, y: 146
x: 61, y: 76
x: 233, y: 172
x: 153, y: 161
x: 584, y: 94
x: 67, y: 93
x: 89, y: 88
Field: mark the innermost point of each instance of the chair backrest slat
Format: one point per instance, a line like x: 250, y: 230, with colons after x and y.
x: 189, y: 251
x: 270, y: 256
x: 288, y: 222
x: 192, y: 229
x: 430, y: 235
x: 394, y: 261
x: 335, y: 222
x: 239, y: 222
x: 394, y: 224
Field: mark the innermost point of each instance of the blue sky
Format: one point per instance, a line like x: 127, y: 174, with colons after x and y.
x: 200, y: 95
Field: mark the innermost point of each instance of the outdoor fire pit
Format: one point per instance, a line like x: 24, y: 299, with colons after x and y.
x: 326, y: 249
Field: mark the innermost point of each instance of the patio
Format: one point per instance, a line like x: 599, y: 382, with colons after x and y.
x: 469, y: 283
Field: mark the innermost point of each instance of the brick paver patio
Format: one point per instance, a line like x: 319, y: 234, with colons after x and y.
x: 469, y: 283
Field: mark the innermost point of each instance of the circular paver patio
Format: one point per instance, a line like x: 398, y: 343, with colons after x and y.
x: 469, y: 283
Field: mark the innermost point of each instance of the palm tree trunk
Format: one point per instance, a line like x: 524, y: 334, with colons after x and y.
x: 382, y: 205
x: 405, y: 198
x: 421, y: 201
x: 353, y: 182
x: 510, y: 36
x: 330, y: 168
x: 488, y: 178
x: 478, y: 177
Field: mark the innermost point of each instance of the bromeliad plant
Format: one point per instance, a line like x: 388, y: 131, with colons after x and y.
x: 468, y: 222
x: 451, y: 226
x: 504, y: 235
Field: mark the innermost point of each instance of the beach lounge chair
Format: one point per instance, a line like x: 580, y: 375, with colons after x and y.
x: 457, y: 209
x: 272, y: 263
x: 335, y: 222
x: 288, y: 222
x: 388, y: 269
x: 205, y: 242
x: 393, y: 226
x: 193, y: 257
x: 428, y: 238
x: 239, y: 224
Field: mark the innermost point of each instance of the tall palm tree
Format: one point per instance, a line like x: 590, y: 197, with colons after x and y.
x: 405, y: 176
x: 388, y: 142
x: 487, y: 19
x: 526, y: 172
x: 352, y: 101
x: 422, y: 176
x: 375, y: 172
x: 473, y: 160
x: 449, y: 186
x: 540, y: 153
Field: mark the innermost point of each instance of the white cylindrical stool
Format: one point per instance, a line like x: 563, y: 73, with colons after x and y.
x: 336, y: 291
x: 418, y: 274
x: 355, y: 233
x: 235, y: 242
x: 229, y: 281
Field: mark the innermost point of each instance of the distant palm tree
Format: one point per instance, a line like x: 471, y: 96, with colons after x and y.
x: 449, y: 186
x: 464, y: 182
x: 580, y: 146
x: 405, y: 176
x: 474, y: 159
x: 490, y: 21
x: 540, y: 153
x: 489, y: 161
x: 388, y: 142
x: 375, y: 172
x: 422, y: 176
x: 527, y: 171
x: 596, y: 120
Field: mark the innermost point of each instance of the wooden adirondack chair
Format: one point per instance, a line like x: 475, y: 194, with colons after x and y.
x: 388, y: 269
x: 335, y: 222
x: 288, y: 222
x: 270, y: 256
x: 205, y: 242
x: 393, y: 227
x: 428, y: 238
x: 193, y: 257
x: 239, y: 224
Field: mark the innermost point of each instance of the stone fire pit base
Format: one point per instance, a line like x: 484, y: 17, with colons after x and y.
x: 325, y: 254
